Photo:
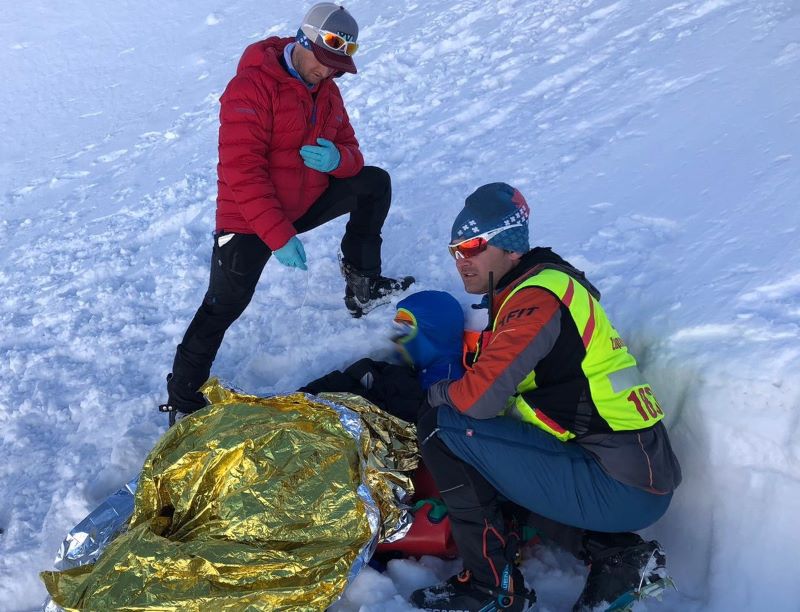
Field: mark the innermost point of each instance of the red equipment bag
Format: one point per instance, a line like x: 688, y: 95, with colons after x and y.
x: 430, y: 531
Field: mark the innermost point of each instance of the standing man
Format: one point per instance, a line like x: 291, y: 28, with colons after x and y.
x: 553, y: 415
x: 289, y: 161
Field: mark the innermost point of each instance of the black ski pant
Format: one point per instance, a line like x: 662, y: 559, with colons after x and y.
x: 237, y: 263
x: 473, y: 504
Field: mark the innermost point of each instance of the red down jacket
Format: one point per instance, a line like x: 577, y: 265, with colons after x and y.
x: 266, y: 115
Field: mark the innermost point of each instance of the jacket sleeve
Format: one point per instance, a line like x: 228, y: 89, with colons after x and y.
x: 245, y: 135
x: 527, y: 329
x: 352, y: 161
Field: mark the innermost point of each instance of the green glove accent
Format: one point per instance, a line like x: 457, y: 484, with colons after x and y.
x: 438, y: 509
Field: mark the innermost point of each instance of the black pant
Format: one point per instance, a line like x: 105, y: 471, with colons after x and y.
x: 474, y: 505
x: 236, y: 268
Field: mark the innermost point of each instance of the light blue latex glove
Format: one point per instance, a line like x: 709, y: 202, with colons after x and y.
x: 324, y: 158
x: 292, y: 254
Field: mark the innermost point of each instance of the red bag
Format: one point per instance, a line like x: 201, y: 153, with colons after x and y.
x: 430, y: 531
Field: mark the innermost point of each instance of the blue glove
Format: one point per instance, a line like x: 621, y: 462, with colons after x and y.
x: 292, y: 254
x: 324, y: 158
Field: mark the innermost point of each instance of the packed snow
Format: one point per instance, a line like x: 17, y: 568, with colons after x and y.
x: 658, y: 144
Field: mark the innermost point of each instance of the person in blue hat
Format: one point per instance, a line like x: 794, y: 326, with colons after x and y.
x: 431, y: 325
x: 553, y: 415
x: 429, y: 338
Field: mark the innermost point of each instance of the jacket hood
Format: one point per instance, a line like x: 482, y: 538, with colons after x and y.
x: 265, y: 54
x: 439, y: 329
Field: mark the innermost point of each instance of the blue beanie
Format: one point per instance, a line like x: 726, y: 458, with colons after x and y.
x: 490, y: 207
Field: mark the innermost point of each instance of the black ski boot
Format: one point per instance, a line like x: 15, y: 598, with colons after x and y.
x: 184, y: 399
x: 463, y: 592
x: 367, y: 291
x: 621, y: 576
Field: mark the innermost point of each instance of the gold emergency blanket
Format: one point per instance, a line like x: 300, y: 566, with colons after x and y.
x: 253, y: 503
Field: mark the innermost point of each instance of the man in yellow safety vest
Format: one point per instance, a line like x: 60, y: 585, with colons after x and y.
x: 553, y: 416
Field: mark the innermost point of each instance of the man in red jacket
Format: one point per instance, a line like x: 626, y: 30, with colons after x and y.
x: 289, y: 161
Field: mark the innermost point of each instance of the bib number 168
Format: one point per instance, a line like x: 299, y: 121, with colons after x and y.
x: 645, y: 402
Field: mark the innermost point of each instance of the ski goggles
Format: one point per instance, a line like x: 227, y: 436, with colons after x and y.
x: 405, y: 326
x: 477, y: 244
x: 334, y: 41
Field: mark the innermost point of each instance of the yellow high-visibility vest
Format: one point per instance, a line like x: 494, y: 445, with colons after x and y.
x: 619, y: 393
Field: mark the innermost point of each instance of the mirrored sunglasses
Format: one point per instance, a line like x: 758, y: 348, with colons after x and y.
x: 477, y: 244
x: 334, y: 41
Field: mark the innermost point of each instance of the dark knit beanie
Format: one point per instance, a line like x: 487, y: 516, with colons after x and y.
x: 490, y: 207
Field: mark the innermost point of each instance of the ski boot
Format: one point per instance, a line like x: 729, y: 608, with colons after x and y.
x: 364, y: 292
x: 463, y: 592
x: 619, y: 577
x: 184, y: 399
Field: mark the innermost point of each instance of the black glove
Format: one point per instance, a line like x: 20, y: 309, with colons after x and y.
x: 393, y: 388
x: 333, y: 381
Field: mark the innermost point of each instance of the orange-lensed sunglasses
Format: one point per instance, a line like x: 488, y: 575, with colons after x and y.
x: 334, y: 41
x: 477, y: 244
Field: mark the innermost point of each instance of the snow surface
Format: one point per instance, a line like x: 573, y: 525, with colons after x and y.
x: 657, y: 142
